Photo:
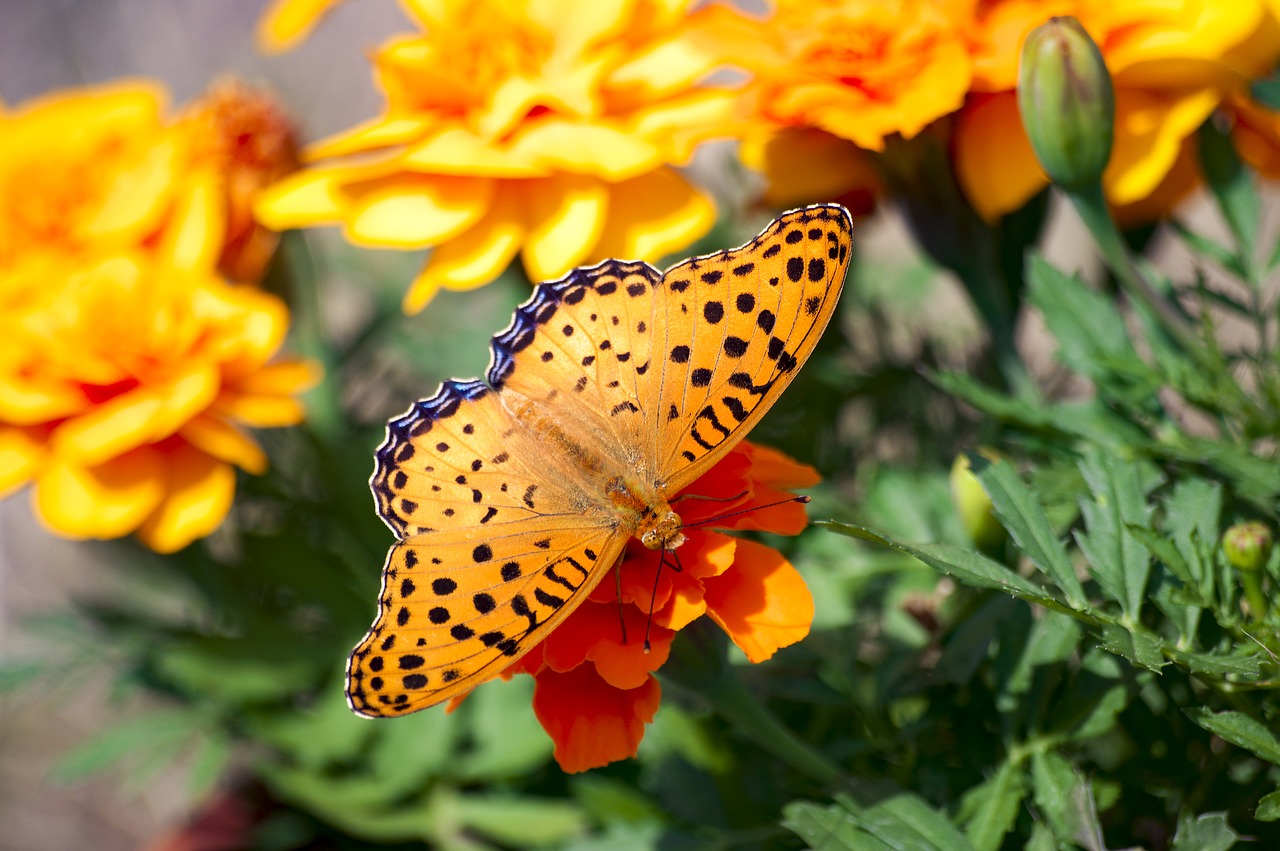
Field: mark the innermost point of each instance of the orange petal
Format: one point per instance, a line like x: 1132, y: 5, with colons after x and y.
x: 197, y: 229
x: 995, y: 163
x: 567, y: 215
x: 475, y: 257
x: 1257, y: 136
x: 260, y: 411
x: 762, y: 602
x: 288, y: 22
x: 200, y: 490
x: 771, y: 467
x: 285, y: 377
x: 804, y: 165
x: 591, y: 722
x: 105, y: 501
x: 1150, y: 130
x: 21, y: 454
x: 652, y: 215
x: 415, y: 211
x: 222, y: 440
x: 593, y: 633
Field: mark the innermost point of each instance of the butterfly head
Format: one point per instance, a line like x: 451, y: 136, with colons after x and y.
x: 663, y: 533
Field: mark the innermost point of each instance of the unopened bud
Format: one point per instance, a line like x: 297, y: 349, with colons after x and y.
x: 1247, y: 546
x: 973, y: 506
x: 1066, y: 102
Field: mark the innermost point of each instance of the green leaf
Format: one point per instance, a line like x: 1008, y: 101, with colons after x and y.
x: 1242, y: 663
x: 1133, y: 643
x: 1020, y: 513
x: 1119, y: 562
x: 1220, y: 254
x: 1099, y: 693
x: 130, y: 740
x: 897, y: 820
x: 507, y: 740
x: 1232, y: 186
x: 1240, y: 730
x: 1206, y: 832
x: 1268, y: 807
x: 1065, y: 799
x: 989, y: 810
x: 1092, y: 338
x: 526, y: 822
x: 968, y: 567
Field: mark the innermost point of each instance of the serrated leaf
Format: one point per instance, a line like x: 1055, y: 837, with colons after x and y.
x: 1247, y: 664
x: 1090, y: 331
x: 966, y: 566
x: 1205, y: 832
x: 1020, y: 513
x: 1118, y: 561
x: 1133, y: 643
x: 1064, y: 797
x: 897, y: 820
x: 1240, y: 730
x: 1220, y: 254
x: 989, y: 810
x: 132, y: 739
x: 828, y: 828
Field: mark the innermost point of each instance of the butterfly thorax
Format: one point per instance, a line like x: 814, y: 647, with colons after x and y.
x: 645, y: 514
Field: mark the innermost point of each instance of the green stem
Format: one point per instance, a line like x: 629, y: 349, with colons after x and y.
x: 324, y: 410
x: 733, y: 701
x: 1252, y: 582
x: 1091, y: 204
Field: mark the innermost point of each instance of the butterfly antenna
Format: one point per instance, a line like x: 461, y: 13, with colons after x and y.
x: 682, y: 497
x: 617, y: 578
x: 804, y: 500
x: 648, y: 624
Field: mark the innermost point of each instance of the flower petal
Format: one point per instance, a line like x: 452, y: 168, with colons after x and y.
x: 303, y: 199
x: 197, y: 230
x: 1150, y: 129
x: 652, y: 215
x: 567, y: 215
x: 591, y: 722
x: 288, y: 22
x: 415, y: 211
x: 762, y: 602
x: 805, y: 165
x: 222, y: 440
x: 456, y: 150
x: 995, y: 164
x: 21, y: 454
x: 473, y: 258
x: 105, y: 501
x: 594, y: 633
x: 200, y: 489
x: 586, y: 148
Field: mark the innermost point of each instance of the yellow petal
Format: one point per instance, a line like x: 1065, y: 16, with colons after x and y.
x: 260, y: 411
x: 105, y: 501
x: 805, y: 165
x: 681, y: 124
x: 222, y: 440
x: 382, y: 132
x: 578, y: 24
x: 995, y: 164
x: 1150, y: 129
x: 663, y: 68
x: 303, y: 199
x: 288, y: 22
x: 587, y: 149
x: 293, y: 376
x: 27, y: 402
x: 137, y: 196
x: 415, y: 211
x: 653, y: 215
x: 458, y: 151
x: 197, y: 230
x: 200, y: 491
x: 21, y: 453
x: 144, y: 415
x: 473, y: 258
x: 567, y: 215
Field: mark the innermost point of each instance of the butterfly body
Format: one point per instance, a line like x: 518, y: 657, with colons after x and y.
x: 612, y: 390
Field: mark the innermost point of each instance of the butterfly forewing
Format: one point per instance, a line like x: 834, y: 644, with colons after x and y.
x: 734, y: 328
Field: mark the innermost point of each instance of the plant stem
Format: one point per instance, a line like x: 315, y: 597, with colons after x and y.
x: 733, y: 701
x: 324, y: 411
x: 1091, y: 204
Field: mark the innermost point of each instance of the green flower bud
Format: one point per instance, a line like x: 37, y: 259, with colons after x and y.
x: 1066, y: 102
x: 973, y: 506
x: 1247, y: 546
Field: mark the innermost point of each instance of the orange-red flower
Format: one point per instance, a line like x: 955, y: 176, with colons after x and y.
x: 596, y: 690
x: 859, y: 73
x: 1171, y: 65
x: 546, y: 130
x: 127, y: 364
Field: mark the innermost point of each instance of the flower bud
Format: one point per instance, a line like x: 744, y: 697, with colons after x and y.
x: 1247, y: 546
x: 973, y: 506
x: 1066, y: 102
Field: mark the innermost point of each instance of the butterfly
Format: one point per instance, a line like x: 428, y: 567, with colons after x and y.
x: 612, y: 389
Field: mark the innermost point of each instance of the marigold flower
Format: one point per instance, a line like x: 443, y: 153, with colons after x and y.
x: 860, y: 71
x: 287, y: 22
x: 596, y: 691
x: 1170, y: 63
x: 1256, y: 133
x: 547, y: 130
x: 127, y: 365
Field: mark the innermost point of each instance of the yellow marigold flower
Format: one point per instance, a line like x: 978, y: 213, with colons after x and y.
x: 860, y: 71
x: 128, y: 367
x: 543, y: 129
x: 1171, y: 64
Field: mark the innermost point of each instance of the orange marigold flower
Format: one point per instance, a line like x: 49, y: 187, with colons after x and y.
x: 1171, y: 65
x: 127, y: 365
x: 595, y: 689
x: 860, y: 71
x: 544, y: 129
x: 1256, y: 133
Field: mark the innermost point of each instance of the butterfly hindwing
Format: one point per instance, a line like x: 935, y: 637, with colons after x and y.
x: 734, y: 328
x: 458, y: 606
